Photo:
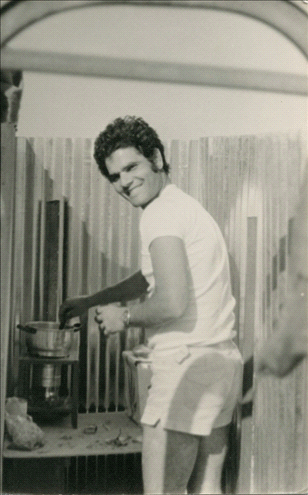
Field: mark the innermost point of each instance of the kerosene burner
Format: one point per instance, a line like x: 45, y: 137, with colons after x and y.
x: 49, y: 369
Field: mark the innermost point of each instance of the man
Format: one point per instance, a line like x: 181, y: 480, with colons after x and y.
x: 188, y: 315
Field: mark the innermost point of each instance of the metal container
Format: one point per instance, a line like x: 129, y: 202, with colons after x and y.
x: 45, y: 338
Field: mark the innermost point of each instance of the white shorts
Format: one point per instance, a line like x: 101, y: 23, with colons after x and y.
x: 194, y: 389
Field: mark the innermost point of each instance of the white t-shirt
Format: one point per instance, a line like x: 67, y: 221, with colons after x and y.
x: 209, y: 316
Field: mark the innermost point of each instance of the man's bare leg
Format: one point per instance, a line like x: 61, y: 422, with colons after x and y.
x: 168, y: 458
x: 206, y: 477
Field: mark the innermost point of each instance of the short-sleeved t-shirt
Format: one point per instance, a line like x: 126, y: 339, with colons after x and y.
x: 209, y: 316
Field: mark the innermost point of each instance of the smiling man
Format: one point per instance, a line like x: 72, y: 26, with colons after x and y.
x: 187, y: 313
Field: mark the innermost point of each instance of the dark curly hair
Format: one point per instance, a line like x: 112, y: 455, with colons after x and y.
x: 126, y: 132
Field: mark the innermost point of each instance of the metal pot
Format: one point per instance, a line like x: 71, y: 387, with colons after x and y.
x: 44, y: 338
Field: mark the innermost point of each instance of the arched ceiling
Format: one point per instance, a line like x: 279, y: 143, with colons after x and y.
x: 287, y: 17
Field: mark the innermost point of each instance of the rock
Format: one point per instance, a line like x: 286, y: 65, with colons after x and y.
x: 24, y: 433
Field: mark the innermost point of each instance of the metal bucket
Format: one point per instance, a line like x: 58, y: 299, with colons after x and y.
x: 46, y: 340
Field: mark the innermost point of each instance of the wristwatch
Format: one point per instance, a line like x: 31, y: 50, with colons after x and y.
x: 126, y: 318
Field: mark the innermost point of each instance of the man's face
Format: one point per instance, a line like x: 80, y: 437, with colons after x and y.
x: 133, y: 177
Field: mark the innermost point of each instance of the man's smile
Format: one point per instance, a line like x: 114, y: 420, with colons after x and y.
x: 131, y: 189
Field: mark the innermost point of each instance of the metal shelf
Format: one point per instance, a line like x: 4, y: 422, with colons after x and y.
x: 61, y: 440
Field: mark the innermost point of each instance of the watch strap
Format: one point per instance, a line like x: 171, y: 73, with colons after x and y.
x: 126, y: 318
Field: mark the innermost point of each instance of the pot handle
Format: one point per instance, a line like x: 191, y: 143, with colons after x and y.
x: 27, y: 329
x: 76, y: 327
x: 72, y: 324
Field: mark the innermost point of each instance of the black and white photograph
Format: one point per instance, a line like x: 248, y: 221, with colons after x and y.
x: 154, y: 247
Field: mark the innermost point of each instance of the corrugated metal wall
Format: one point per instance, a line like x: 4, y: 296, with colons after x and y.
x: 250, y: 185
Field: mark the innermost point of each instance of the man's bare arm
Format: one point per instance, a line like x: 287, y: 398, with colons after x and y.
x: 289, y: 344
x: 128, y: 289
x: 170, y: 297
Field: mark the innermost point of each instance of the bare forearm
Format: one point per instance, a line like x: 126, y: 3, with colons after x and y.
x: 128, y: 289
x: 289, y: 345
x: 294, y: 318
x: 170, y: 296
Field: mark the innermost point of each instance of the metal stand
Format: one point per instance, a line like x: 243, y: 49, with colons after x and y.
x: 25, y: 380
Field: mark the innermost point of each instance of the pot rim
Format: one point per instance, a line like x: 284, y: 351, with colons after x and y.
x: 48, y: 326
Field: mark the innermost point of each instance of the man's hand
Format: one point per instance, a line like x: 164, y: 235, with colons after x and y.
x: 281, y: 354
x: 110, y: 318
x: 72, y: 307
